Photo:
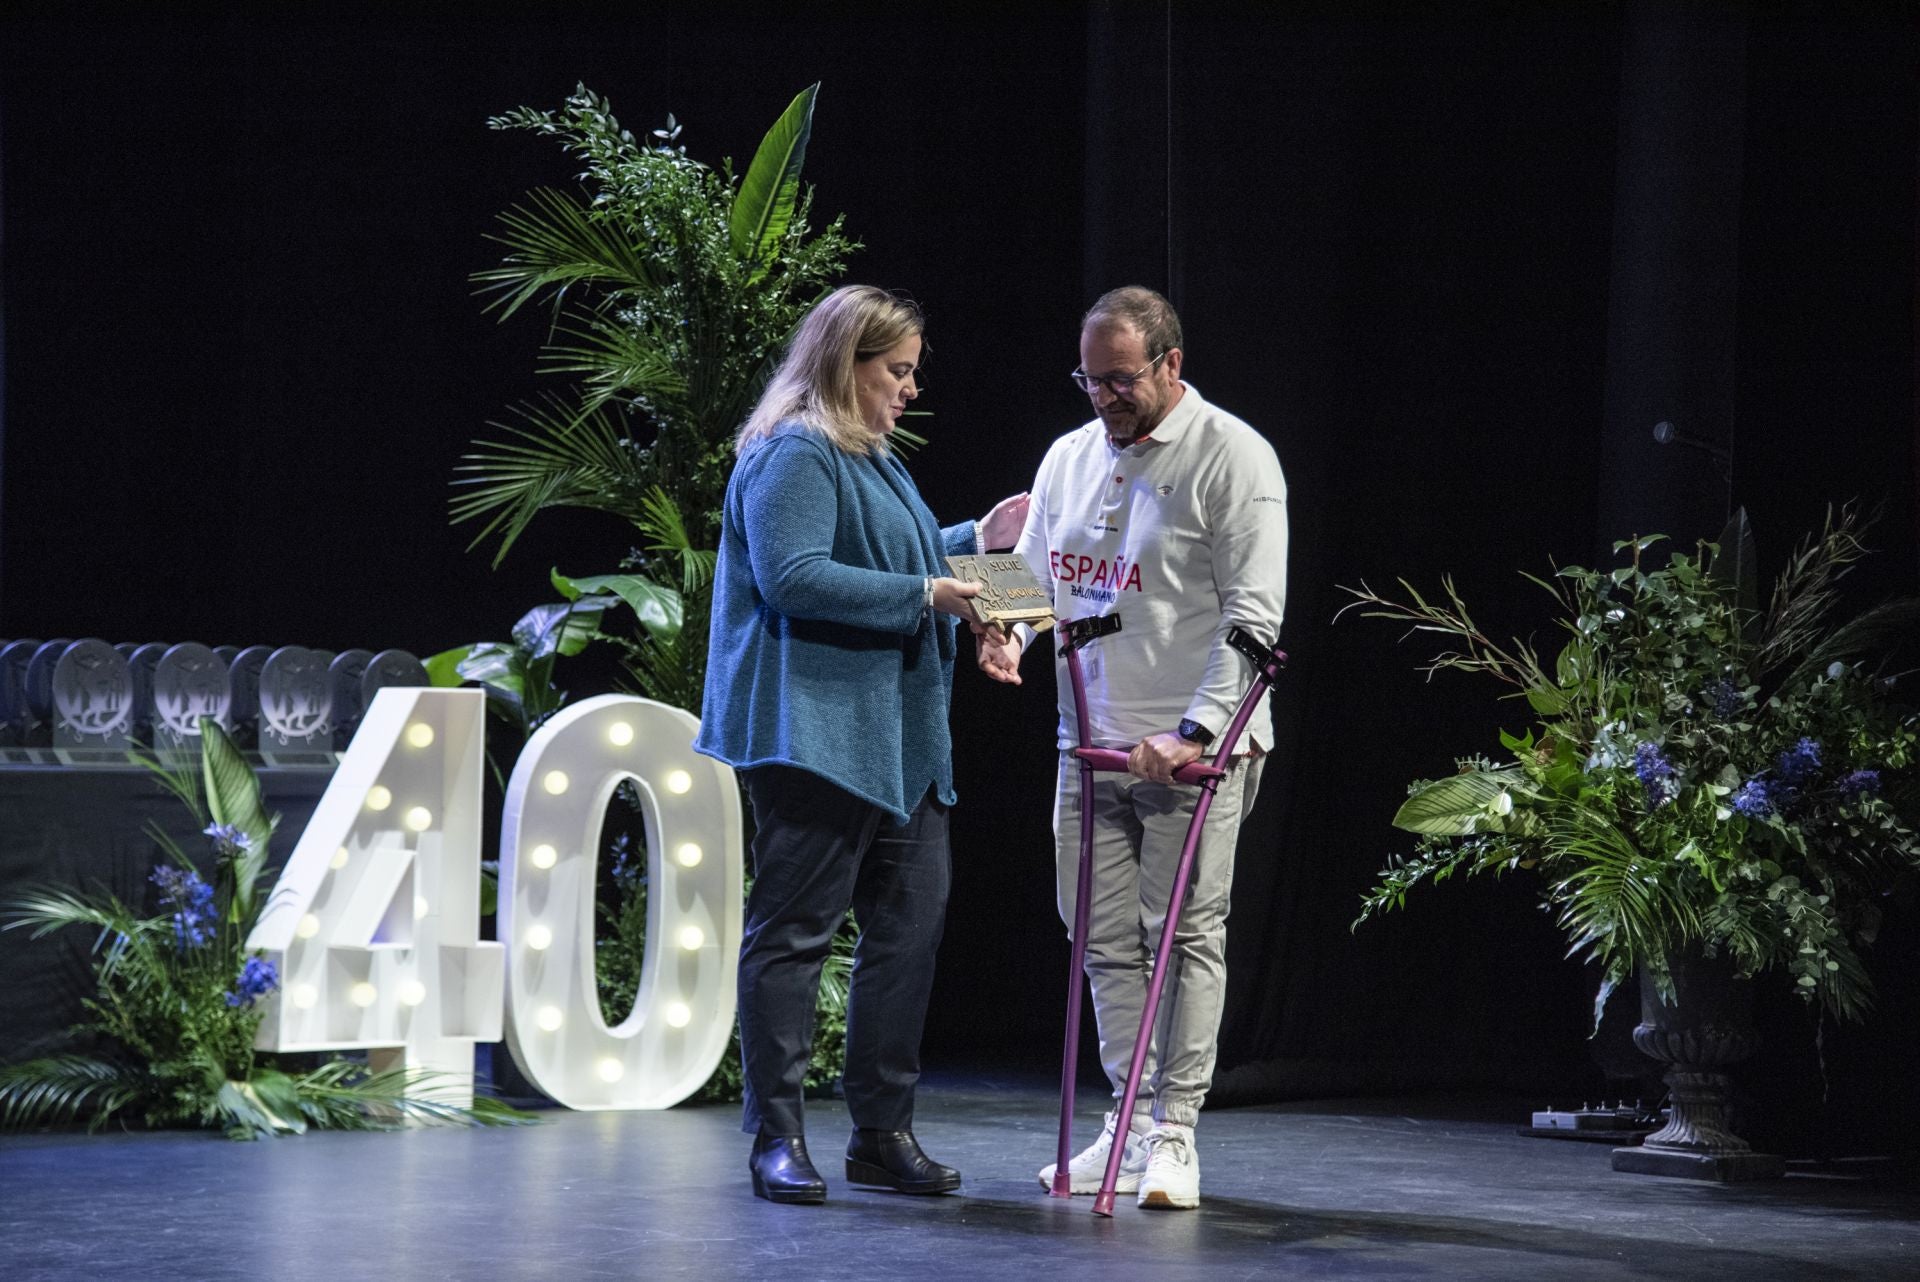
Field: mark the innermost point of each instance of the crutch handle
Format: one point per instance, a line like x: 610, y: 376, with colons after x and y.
x: 1115, y: 761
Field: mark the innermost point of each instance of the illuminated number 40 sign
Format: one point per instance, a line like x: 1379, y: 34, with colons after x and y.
x: 374, y: 924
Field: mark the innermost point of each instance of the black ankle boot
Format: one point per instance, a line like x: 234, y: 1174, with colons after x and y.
x: 893, y: 1160
x: 782, y: 1171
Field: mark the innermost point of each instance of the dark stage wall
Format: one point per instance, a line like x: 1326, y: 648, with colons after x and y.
x: 1455, y: 267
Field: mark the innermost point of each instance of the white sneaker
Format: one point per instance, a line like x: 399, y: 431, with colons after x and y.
x: 1171, y: 1181
x: 1089, y: 1166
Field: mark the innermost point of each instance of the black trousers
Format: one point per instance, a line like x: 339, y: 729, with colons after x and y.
x: 817, y: 851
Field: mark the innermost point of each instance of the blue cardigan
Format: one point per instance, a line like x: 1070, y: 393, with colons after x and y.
x: 822, y: 654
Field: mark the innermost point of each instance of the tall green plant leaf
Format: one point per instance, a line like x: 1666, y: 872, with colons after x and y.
x: 443, y: 669
x: 1738, y: 562
x: 563, y: 628
x: 1461, y: 804
x: 557, y: 456
x: 233, y: 797
x: 555, y: 242
x: 658, y: 607
x: 764, y: 205
x: 615, y: 358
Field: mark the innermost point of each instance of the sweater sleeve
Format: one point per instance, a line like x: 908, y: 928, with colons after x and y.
x: 789, y: 507
x: 1248, y: 512
x: 960, y: 540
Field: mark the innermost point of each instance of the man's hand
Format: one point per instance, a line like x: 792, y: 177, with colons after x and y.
x: 998, y: 653
x: 1157, y: 756
x: 1001, y: 527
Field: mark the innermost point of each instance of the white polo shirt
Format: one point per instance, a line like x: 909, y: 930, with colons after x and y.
x: 1183, y: 534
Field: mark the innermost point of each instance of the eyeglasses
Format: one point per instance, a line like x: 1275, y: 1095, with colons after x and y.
x: 1118, y: 384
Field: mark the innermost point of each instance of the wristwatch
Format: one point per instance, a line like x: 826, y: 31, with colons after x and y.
x: 1193, y: 732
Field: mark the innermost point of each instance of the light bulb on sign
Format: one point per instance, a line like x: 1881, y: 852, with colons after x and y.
x: 379, y: 797
x: 420, y: 735
x: 549, y: 1019
x: 339, y: 858
x: 363, y: 994
x: 688, y: 854
x: 545, y: 857
x: 691, y: 937
x: 420, y: 908
x: 678, y: 781
x: 619, y: 734
x: 307, y: 927
x: 539, y: 938
x: 419, y: 819
x: 303, y: 996
x: 611, y: 1070
x: 412, y: 993
x: 678, y: 1014
x: 555, y: 782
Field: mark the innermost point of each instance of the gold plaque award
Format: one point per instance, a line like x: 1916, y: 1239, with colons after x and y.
x: 1010, y: 592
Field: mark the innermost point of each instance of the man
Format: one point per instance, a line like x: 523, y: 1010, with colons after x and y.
x: 1171, y: 513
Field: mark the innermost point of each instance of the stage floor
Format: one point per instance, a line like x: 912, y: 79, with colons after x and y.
x: 1346, y: 1189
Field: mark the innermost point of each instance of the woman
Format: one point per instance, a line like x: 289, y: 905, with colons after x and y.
x: 829, y: 674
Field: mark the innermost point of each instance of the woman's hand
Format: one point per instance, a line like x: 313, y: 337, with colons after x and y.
x: 950, y: 596
x: 1001, y: 527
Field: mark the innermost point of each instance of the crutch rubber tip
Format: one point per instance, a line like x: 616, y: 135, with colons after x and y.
x: 1103, y: 1204
x: 1062, y: 1185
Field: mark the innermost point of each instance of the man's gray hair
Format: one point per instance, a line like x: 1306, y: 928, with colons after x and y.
x: 1142, y: 310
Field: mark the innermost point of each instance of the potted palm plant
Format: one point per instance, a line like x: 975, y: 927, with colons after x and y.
x: 1708, y: 789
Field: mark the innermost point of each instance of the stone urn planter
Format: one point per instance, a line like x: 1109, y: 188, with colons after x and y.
x: 1706, y: 1027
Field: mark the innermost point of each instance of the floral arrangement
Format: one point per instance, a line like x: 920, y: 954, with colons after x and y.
x: 169, y: 1033
x: 1701, y: 774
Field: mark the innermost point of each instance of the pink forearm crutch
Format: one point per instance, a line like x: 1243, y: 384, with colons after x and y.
x: 1267, y: 661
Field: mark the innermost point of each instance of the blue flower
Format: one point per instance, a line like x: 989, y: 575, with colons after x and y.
x: 1859, y: 783
x: 191, y: 900
x: 228, y: 840
x: 1656, y: 774
x: 1798, y: 763
x: 257, y: 978
x: 1724, y: 697
x: 1754, y: 800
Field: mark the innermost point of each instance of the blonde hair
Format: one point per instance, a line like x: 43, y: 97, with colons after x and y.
x: 814, y: 383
